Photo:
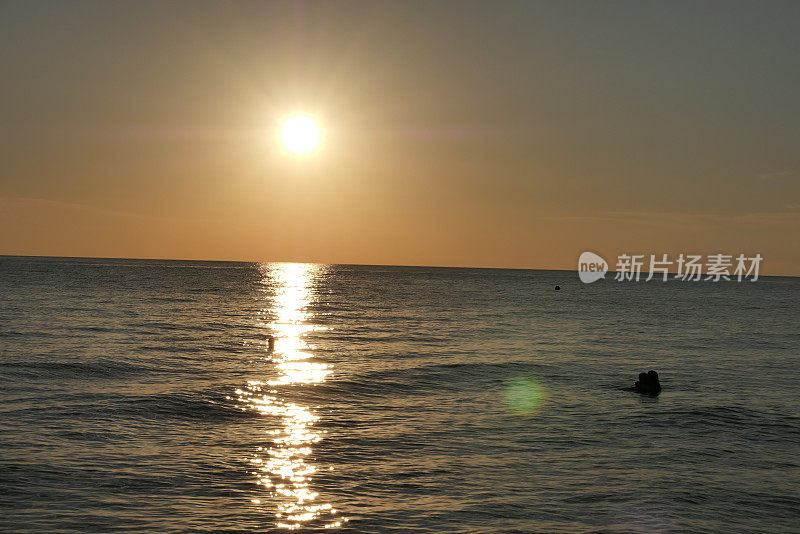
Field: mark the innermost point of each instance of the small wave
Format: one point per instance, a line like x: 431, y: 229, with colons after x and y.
x: 96, y: 329
x: 181, y: 406
x: 712, y: 419
x: 415, y: 380
x: 171, y: 299
x: 75, y: 369
x: 157, y: 327
x: 11, y: 333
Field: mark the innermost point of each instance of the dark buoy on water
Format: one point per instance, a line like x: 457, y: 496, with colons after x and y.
x: 270, y: 344
x: 558, y: 288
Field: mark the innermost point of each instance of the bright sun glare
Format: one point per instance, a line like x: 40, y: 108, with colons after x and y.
x: 300, y: 134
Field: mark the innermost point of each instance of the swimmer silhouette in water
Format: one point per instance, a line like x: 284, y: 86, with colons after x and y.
x: 647, y: 384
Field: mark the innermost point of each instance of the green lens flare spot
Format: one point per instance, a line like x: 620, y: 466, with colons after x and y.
x: 525, y: 395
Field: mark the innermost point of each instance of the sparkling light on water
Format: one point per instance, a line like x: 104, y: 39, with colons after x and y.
x: 283, y: 467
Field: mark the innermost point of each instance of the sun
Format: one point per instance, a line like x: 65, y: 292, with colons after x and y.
x: 300, y: 134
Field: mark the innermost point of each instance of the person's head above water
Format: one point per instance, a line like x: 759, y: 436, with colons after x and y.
x: 648, y: 384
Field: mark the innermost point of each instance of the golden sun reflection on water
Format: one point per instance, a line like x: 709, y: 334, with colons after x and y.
x: 283, y: 467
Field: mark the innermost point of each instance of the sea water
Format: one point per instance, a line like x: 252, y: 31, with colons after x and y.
x: 141, y: 395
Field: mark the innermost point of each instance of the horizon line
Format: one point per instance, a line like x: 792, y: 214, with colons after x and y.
x: 351, y: 264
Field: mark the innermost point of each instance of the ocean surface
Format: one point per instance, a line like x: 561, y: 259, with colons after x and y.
x: 141, y: 396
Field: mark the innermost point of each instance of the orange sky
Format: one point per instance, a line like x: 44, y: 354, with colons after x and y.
x: 454, y: 133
